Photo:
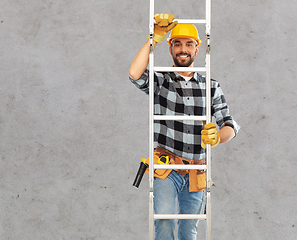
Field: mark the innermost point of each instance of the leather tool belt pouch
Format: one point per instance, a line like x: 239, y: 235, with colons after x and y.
x: 197, y: 178
x: 160, y: 173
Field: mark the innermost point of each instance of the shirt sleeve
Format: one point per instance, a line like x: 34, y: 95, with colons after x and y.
x: 143, y: 82
x: 220, y: 109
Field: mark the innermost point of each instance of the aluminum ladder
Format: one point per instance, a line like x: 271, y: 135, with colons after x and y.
x: 153, y: 117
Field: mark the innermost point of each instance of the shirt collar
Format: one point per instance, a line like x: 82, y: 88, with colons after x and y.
x: 197, y: 77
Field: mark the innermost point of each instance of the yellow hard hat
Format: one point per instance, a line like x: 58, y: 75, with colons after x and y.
x: 184, y: 31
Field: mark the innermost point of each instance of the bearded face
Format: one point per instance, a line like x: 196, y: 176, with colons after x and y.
x: 183, y: 51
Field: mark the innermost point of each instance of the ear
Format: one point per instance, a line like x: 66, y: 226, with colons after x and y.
x: 196, y: 51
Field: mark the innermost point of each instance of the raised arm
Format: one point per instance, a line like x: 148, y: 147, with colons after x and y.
x: 164, y: 24
x: 140, y: 61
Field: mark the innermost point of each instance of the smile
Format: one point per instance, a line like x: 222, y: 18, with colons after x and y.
x: 183, y: 56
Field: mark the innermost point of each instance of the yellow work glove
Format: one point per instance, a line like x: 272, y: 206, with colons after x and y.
x: 210, y: 135
x: 164, y: 24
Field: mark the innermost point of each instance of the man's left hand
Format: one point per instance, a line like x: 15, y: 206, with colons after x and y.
x: 210, y: 135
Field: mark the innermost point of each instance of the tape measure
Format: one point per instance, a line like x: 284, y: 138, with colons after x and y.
x: 164, y: 159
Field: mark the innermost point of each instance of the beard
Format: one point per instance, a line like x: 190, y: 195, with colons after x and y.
x: 183, y: 63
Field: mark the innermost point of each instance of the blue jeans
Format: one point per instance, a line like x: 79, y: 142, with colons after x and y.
x: 176, y: 186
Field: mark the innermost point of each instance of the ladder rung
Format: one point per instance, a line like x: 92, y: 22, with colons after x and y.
x: 179, y: 118
x: 180, y: 69
x: 192, y: 21
x: 179, y: 166
x: 180, y: 216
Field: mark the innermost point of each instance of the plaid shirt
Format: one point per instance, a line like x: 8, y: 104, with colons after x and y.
x: 174, y: 96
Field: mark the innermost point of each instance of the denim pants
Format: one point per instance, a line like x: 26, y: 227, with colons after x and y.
x: 176, y: 186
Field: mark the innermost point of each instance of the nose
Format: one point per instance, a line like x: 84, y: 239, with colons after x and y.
x: 183, y: 48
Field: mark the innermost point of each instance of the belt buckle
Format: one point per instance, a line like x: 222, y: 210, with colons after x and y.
x: 184, y: 171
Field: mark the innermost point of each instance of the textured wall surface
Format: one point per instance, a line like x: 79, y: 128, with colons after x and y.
x: 73, y: 128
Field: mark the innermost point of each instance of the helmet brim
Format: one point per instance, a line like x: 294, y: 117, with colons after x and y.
x: 169, y: 40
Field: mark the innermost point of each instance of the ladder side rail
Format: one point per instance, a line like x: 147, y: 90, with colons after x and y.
x: 208, y: 116
x: 151, y: 122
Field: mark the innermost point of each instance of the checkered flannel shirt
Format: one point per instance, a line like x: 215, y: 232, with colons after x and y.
x: 174, y: 96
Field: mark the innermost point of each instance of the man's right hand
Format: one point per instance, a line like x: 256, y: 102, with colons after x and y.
x: 164, y: 24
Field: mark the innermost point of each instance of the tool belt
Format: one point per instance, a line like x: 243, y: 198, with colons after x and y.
x: 197, y: 178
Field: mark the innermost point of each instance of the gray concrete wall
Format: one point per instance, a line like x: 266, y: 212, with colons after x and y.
x: 73, y: 128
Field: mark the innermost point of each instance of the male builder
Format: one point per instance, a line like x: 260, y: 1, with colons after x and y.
x: 181, y: 93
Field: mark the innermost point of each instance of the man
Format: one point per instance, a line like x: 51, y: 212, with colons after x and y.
x: 181, y: 93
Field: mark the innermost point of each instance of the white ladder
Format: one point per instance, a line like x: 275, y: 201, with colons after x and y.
x: 153, y: 117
